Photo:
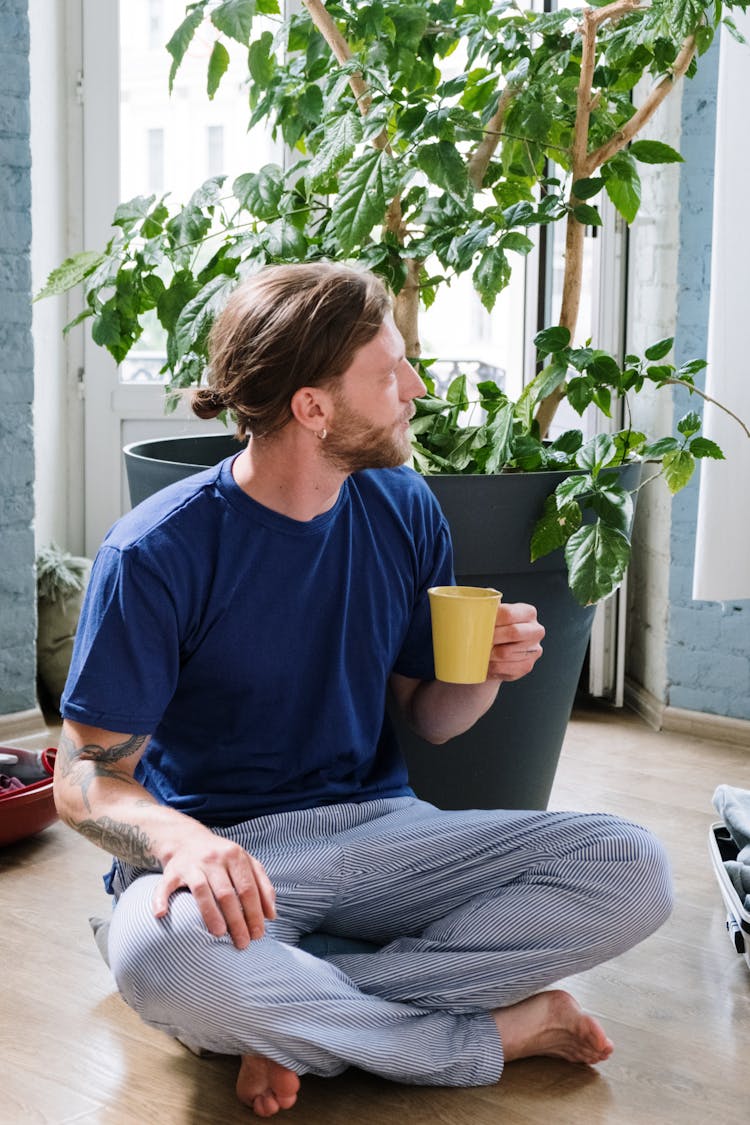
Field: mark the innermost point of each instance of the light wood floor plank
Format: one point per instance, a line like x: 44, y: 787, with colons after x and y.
x: 678, y: 1006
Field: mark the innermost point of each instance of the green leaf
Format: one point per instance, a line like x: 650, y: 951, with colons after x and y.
x: 704, y: 37
x: 658, y: 373
x: 602, y: 397
x: 154, y: 222
x: 659, y: 350
x: 133, y: 211
x: 569, y: 442
x: 551, y: 340
x: 733, y: 30
x: 366, y: 186
x: 499, y: 438
x: 587, y: 189
x: 657, y: 449
x: 597, y: 558
x: 339, y: 141
x: 704, y: 447
x: 550, y: 378
x: 84, y: 315
x: 462, y: 450
x: 491, y: 275
x: 181, y: 40
x: 284, y: 240
x: 678, y: 468
x: 692, y: 367
x: 575, y: 485
x: 70, y: 273
x: 554, y: 527
x: 445, y: 166
x: 596, y: 453
x: 587, y: 215
x: 625, y: 194
x: 198, y: 315
x: 628, y: 442
x: 614, y: 505
x: 235, y: 19
x: 456, y: 393
x: 528, y: 453
x: 217, y: 67
x: 261, y: 61
x: 689, y: 424
x: 580, y: 392
x: 260, y: 192
x: 514, y: 240
x: 170, y: 304
x: 654, y: 152
x: 603, y: 368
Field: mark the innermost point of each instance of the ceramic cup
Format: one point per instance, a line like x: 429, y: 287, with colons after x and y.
x: 463, y: 623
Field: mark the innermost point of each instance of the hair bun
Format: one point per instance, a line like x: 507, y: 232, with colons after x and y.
x: 207, y: 402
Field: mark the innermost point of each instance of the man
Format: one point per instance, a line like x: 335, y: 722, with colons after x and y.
x: 226, y: 738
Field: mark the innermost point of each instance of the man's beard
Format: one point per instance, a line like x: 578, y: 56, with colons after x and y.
x: 354, y: 444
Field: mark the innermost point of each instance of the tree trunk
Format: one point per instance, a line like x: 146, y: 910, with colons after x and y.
x: 571, y: 302
x: 406, y: 309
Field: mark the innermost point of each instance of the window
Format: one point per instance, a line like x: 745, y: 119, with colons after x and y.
x: 155, y: 161
x: 215, y: 150
x: 155, y: 24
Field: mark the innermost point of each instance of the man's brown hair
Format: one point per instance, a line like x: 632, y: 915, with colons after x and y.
x: 284, y: 328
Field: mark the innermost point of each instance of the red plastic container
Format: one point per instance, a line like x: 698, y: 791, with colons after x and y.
x: 24, y: 812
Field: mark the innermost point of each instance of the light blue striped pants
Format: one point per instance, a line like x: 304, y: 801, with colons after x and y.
x: 473, y: 911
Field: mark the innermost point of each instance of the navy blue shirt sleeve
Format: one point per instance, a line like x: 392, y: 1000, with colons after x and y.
x: 125, y: 660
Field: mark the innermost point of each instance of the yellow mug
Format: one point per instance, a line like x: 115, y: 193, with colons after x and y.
x: 463, y: 625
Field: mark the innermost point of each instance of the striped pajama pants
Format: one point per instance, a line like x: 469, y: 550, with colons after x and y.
x: 470, y: 910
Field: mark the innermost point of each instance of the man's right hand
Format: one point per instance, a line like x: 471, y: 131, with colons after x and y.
x: 97, y: 794
x: 231, y: 888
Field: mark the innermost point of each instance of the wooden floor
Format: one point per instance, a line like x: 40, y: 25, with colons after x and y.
x: 677, y: 1007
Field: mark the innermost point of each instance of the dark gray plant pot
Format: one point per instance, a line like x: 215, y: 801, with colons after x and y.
x: 509, y: 758
x: 151, y: 465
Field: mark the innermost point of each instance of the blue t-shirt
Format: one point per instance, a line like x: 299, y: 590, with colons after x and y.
x: 256, y: 649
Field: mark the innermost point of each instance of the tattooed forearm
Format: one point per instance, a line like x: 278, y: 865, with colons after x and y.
x: 123, y: 840
x: 82, y: 764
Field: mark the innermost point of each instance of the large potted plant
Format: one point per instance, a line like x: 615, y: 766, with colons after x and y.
x: 422, y: 176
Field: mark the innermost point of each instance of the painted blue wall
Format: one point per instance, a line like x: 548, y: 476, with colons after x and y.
x: 17, y: 583
x: 708, y: 647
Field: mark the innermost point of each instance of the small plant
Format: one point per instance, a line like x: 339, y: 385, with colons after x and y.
x: 589, y: 513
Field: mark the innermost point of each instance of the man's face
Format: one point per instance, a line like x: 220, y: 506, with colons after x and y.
x: 373, y: 405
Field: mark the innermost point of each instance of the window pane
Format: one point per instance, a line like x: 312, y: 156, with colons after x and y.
x: 173, y: 143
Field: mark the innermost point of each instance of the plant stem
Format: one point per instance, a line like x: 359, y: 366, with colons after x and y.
x: 647, y: 110
x: 574, y: 230
x: 584, y: 164
x: 340, y: 49
x: 406, y: 309
x: 696, y: 390
x: 480, y: 158
x: 406, y: 305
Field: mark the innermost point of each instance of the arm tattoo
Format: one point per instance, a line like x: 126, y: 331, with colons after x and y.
x: 124, y: 840
x: 81, y: 764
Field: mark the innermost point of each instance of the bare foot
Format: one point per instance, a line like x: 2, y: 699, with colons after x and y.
x: 551, y: 1023
x: 266, y: 1086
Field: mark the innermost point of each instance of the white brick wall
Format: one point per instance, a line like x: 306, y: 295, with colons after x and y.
x: 652, y: 305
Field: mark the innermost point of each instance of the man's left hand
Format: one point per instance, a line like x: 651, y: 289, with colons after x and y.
x: 517, y: 643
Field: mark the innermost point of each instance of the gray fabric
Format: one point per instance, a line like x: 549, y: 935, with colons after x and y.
x: 733, y: 806
x: 473, y: 911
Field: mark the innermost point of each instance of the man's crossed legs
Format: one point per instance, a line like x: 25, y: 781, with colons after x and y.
x: 475, y: 913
